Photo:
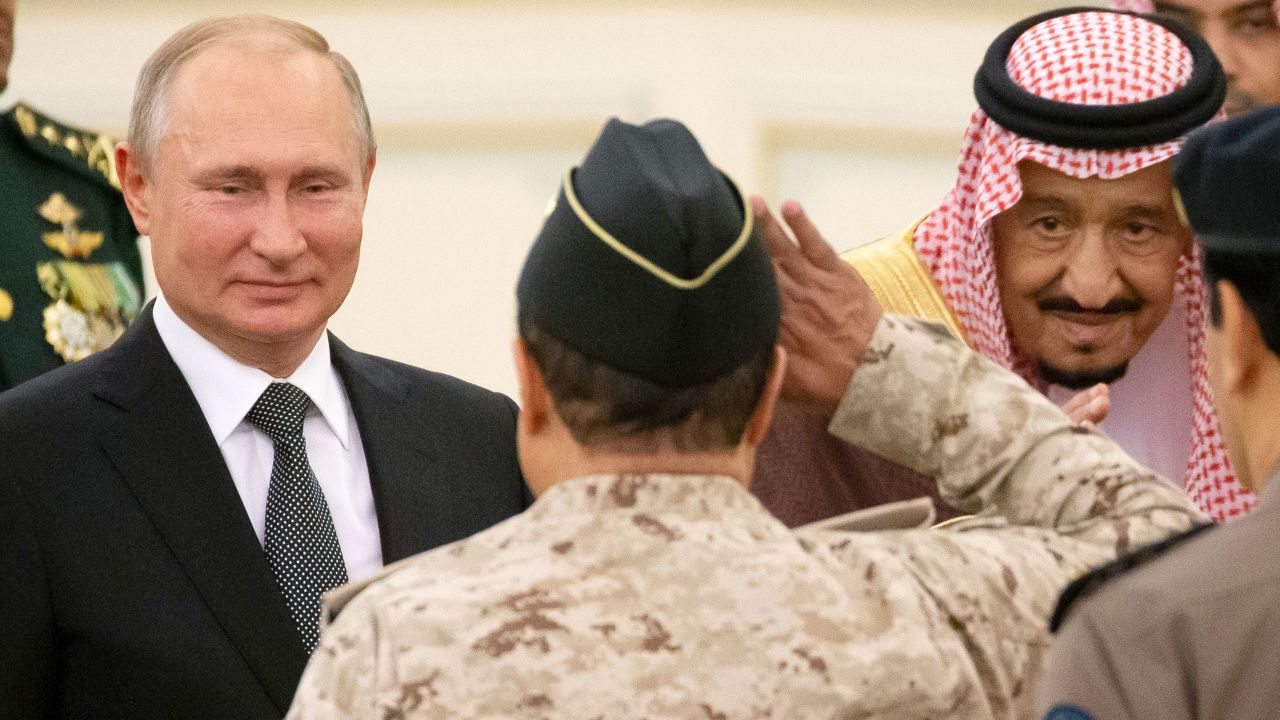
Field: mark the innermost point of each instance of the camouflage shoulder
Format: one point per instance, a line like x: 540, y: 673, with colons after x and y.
x: 337, y: 599
x: 87, y: 152
x: 1092, y: 581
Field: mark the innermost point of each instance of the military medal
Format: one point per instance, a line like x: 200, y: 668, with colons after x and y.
x: 72, y: 242
x: 76, y: 335
x: 92, y: 302
x: 92, y: 305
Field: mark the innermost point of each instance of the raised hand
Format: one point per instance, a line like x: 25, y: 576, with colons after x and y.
x: 828, y: 311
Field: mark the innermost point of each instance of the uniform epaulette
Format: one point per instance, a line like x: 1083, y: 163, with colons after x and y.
x: 88, y: 152
x: 1090, y: 582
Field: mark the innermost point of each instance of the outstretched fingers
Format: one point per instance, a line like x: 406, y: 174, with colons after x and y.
x: 786, y: 256
x: 809, y: 238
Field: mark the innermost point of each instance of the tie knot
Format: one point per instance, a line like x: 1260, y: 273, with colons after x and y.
x: 280, y: 410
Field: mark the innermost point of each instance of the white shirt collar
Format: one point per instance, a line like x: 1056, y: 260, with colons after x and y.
x: 226, y: 389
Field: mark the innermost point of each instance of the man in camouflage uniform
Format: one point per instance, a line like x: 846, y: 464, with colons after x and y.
x: 70, y: 271
x: 646, y: 581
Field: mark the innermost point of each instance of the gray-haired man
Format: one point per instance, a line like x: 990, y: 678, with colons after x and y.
x: 172, y: 508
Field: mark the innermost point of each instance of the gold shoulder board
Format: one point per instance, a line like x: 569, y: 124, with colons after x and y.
x: 900, y: 281
x: 68, y: 145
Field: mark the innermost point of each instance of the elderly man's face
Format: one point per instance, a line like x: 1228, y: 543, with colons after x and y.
x: 6, y: 40
x: 1086, y: 269
x: 1245, y: 37
x: 255, y: 197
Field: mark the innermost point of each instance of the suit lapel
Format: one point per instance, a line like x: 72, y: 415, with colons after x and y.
x: 409, y: 489
x: 166, y: 454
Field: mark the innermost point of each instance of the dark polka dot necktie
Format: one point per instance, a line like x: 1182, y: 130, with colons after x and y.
x: 301, y: 544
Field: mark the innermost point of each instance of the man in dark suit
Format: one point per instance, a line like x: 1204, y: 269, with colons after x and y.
x: 171, y: 509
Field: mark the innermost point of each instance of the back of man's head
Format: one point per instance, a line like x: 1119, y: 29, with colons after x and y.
x: 150, y: 111
x: 647, y: 302
x: 1227, y: 178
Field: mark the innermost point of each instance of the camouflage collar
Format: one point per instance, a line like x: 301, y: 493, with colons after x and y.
x: 694, y: 496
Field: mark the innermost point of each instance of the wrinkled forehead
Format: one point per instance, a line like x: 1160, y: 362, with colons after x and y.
x: 1150, y: 188
x: 235, y: 64
x: 233, y: 76
x: 242, y: 97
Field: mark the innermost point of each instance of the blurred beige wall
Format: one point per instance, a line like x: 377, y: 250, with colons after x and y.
x: 856, y: 108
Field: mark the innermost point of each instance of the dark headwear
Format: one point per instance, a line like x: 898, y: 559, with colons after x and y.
x: 1101, y: 126
x: 1228, y: 177
x: 648, y: 262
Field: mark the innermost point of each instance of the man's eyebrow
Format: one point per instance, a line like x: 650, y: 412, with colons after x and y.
x: 1146, y: 210
x: 1246, y: 8
x: 1179, y: 12
x: 228, y: 173
x: 1044, y: 200
x: 332, y: 173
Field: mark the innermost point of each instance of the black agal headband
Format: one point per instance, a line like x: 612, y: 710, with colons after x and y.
x: 1100, y: 127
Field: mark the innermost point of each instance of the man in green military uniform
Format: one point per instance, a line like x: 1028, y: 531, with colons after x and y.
x: 70, y: 271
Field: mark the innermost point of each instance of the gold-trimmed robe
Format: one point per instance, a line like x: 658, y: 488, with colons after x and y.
x: 900, y: 280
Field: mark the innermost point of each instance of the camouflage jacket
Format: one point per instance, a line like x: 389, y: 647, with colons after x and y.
x: 667, y: 596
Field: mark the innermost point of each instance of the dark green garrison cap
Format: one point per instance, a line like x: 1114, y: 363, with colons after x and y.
x: 648, y: 262
x: 1228, y: 178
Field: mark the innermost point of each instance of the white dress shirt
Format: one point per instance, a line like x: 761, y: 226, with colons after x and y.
x: 226, y: 390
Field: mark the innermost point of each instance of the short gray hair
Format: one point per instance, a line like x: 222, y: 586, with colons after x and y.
x: 149, y: 114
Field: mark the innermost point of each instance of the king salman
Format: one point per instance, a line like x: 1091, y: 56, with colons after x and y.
x: 1060, y: 253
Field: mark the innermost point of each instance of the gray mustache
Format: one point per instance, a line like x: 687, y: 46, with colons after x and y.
x: 1118, y: 306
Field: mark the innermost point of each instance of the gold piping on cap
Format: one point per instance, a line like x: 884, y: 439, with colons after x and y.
x: 647, y: 264
x: 1181, y: 209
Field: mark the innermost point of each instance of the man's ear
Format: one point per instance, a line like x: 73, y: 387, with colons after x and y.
x: 535, y: 402
x: 1242, y: 347
x: 758, y: 425
x: 134, y: 186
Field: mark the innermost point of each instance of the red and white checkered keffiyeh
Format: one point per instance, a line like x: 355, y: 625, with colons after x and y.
x: 1095, y: 58
x: 1148, y: 6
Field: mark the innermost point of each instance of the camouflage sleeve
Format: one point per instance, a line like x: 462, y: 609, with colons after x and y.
x: 1053, y: 498
x: 924, y: 400
x: 345, y: 671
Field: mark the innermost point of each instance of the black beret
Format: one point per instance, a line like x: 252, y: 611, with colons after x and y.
x: 1228, y: 178
x: 648, y: 262
x: 1100, y: 127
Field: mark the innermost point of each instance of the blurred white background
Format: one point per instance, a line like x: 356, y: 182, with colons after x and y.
x: 854, y: 107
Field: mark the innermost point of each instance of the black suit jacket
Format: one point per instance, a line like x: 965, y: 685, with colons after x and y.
x: 133, y: 583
